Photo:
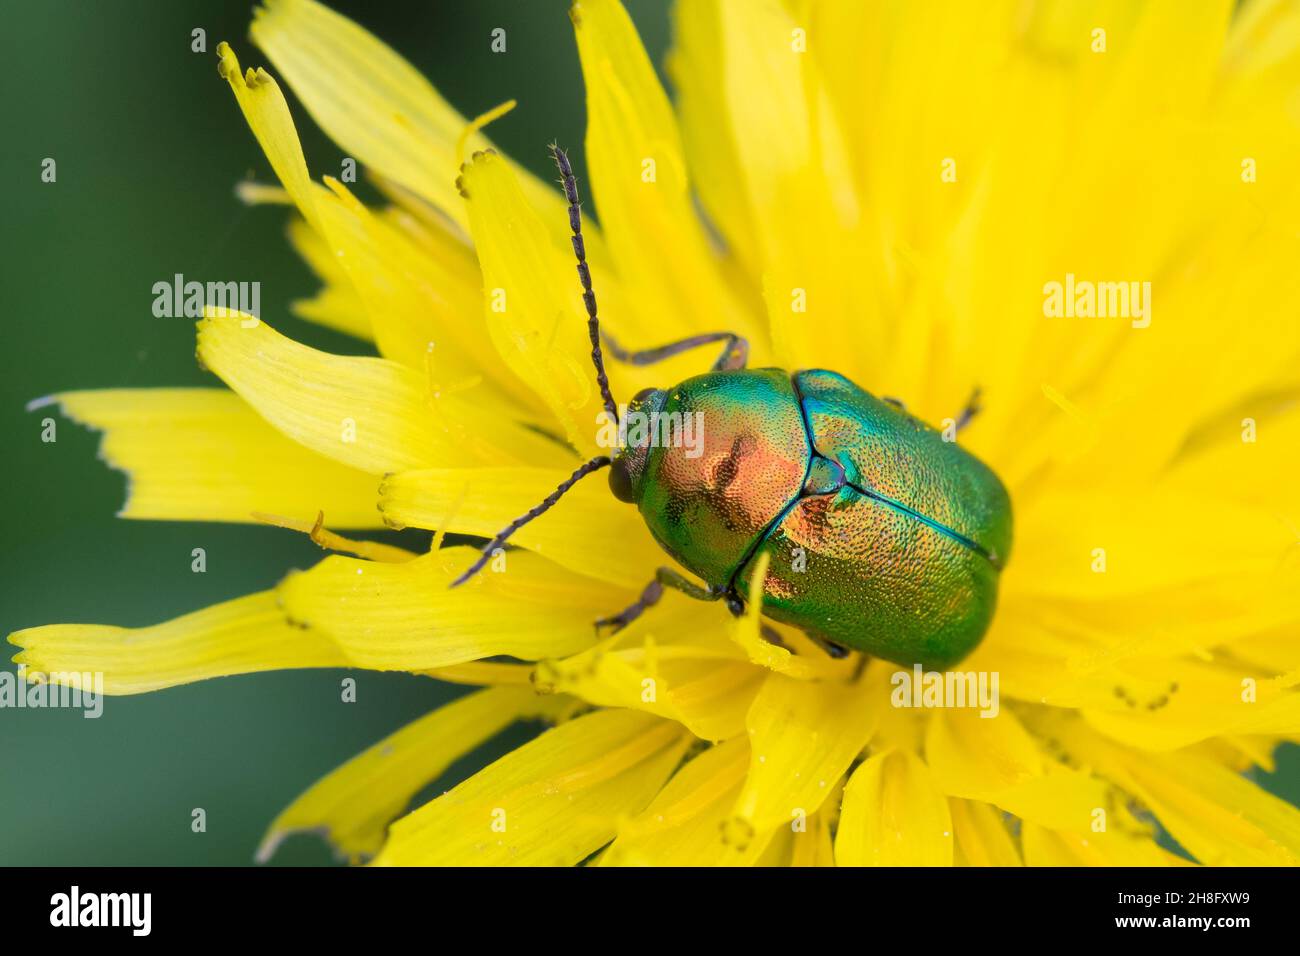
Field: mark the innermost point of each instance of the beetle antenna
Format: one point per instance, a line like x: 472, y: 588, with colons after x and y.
x: 597, y: 463
x: 584, y: 275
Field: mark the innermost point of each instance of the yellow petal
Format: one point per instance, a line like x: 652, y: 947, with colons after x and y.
x: 884, y: 65
x: 639, y: 180
x: 342, y: 73
x: 1148, y: 542
x: 242, y: 636
x: 412, y: 301
x: 418, y: 293
x: 1170, y: 704
x: 711, y: 698
x: 532, y: 299
x: 696, y: 65
x: 683, y: 826
x: 997, y: 761
x: 337, y: 305
x: 803, y: 734
x: 1220, y: 817
x: 748, y: 633
x: 373, y: 414
x: 1123, y: 654
x: 1272, y: 650
x: 1250, y: 751
x: 369, y: 413
x: 405, y: 617
x: 369, y: 100
x: 1045, y: 847
x: 1261, y: 468
x: 488, y: 673
x: 971, y: 755
x: 201, y: 454
x: 352, y: 806
x: 552, y: 802
x: 813, y: 268
x: 810, y: 842
x: 264, y: 108
x: 588, y: 531
x: 982, y: 837
x: 384, y: 113
x: 692, y: 682
x: 335, y: 308
x: 893, y: 816
x: 813, y: 846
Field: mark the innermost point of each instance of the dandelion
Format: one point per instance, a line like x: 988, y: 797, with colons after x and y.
x: 897, y: 193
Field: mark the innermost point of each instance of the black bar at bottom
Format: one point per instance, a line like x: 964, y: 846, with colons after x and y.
x: 441, y: 906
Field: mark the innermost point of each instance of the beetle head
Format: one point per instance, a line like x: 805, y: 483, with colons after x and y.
x: 629, y: 464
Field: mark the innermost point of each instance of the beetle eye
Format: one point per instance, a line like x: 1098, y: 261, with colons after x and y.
x: 620, y: 481
x: 642, y: 395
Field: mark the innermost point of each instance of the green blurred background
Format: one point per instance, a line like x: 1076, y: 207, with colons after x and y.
x: 149, y: 143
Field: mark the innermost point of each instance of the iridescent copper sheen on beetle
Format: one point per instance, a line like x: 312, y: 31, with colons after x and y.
x: 707, y: 511
x: 881, y: 535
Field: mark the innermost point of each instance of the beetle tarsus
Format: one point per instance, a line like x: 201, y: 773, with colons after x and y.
x: 735, y: 605
x: 863, y: 661
x: 664, y: 577
x: 833, y: 651
x: 973, y: 408
x: 650, y: 596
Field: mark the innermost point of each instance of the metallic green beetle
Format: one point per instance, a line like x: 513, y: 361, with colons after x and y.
x: 883, y: 536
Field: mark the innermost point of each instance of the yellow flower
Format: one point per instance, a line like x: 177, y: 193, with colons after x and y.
x: 918, y: 176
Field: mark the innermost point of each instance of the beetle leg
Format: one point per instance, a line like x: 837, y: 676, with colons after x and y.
x: 651, y: 595
x: 734, y: 354
x: 972, y: 409
x: 770, y: 634
x: 833, y: 650
x: 863, y: 661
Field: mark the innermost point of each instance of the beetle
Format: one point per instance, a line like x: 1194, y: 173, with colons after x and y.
x: 883, y: 535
